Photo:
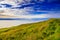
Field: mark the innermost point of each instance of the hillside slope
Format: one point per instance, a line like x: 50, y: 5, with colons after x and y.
x: 46, y: 30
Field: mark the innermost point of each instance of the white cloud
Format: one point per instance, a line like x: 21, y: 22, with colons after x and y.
x: 12, y: 2
x: 8, y: 11
x: 23, y: 13
x: 33, y: 16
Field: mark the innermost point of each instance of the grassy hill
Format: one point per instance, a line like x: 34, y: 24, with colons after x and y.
x: 46, y: 30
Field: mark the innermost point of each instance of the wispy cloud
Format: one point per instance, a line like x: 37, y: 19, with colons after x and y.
x: 30, y: 10
x: 16, y: 12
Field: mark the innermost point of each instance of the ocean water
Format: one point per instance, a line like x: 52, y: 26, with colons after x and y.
x: 10, y: 23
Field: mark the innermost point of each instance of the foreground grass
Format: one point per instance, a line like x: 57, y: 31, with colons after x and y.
x: 46, y: 30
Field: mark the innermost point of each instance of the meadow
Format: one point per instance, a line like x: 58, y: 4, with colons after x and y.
x: 45, y: 30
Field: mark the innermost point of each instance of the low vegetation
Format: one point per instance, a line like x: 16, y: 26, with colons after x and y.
x: 46, y: 30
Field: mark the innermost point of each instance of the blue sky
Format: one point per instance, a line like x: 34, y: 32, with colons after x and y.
x: 29, y: 9
x: 16, y: 12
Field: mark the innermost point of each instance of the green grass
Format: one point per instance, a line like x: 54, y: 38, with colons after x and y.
x: 46, y: 30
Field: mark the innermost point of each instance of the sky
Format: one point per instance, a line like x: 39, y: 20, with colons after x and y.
x: 28, y: 10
